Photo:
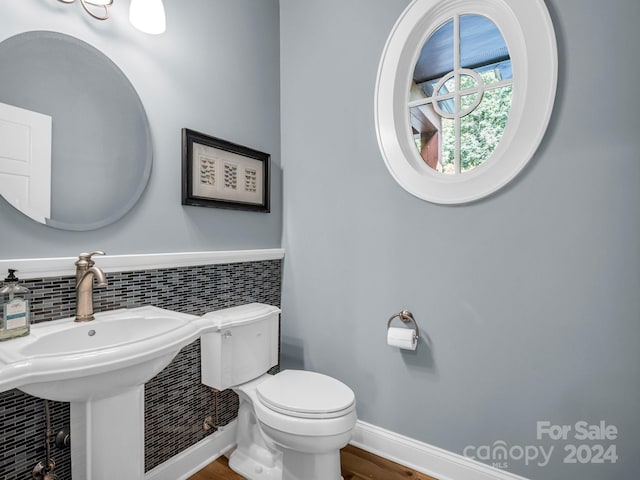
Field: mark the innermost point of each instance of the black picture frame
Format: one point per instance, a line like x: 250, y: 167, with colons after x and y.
x: 221, y: 174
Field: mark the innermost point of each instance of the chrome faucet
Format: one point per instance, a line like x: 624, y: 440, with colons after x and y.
x: 86, y: 271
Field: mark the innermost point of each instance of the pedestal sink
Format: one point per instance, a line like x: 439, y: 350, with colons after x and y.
x: 100, y: 367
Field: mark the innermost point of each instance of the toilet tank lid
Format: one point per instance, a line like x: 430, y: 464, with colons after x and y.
x: 243, y: 314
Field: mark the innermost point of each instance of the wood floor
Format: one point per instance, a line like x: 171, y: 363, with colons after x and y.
x: 356, y: 465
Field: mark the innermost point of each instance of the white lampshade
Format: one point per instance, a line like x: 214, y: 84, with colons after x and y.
x: 148, y: 16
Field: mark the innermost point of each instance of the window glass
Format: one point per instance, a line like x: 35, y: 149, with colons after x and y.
x: 461, y: 94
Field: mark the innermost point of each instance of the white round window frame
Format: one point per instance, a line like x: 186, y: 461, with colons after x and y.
x: 528, y: 32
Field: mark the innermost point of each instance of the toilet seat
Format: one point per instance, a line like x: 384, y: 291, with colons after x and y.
x: 304, y: 394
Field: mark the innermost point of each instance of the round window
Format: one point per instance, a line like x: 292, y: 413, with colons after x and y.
x: 464, y: 94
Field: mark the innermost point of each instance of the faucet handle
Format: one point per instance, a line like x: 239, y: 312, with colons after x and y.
x: 86, y: 257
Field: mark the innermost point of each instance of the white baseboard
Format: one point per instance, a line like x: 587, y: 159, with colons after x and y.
x: 418, y: 456
x: 196, y: 457
x: 421, y: 457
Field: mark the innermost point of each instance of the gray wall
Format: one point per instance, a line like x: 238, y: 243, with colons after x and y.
x: 530, y: 298
x: 215, y: 70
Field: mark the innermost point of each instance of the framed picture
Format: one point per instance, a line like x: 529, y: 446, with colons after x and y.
x: 217, y: 173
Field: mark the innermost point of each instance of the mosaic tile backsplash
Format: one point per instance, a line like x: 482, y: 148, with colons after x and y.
x: 176, y: 403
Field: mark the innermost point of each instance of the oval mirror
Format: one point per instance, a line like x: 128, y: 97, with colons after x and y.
x: 75, y: 149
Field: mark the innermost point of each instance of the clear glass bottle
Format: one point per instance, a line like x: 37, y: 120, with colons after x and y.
x: 14, y: 299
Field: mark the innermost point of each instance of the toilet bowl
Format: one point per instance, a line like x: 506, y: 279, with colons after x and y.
x: 291, y: 425
x: 304, y: 417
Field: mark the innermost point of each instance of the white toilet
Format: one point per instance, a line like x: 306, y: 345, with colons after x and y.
x: 292, y: 425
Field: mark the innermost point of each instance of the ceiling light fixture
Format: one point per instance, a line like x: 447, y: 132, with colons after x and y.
x: 148, y: 16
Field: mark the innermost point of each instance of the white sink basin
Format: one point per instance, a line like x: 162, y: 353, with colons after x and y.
x: 73, y: 362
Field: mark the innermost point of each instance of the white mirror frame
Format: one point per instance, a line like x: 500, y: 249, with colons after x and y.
x: 528, y: 32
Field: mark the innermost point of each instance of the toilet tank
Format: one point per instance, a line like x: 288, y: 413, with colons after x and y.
x: 243, y: 346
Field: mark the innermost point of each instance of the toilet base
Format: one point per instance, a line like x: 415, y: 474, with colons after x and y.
x: 241, y: 463
x: 305, y: 466
x: 253, y: 457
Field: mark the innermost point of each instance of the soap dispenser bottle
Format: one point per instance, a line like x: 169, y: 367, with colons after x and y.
x: 14, y: 299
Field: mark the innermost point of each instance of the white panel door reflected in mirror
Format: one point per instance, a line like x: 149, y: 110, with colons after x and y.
x: 25, y: 161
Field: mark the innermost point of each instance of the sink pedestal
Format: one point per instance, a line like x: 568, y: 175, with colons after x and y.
x: 107, y: 437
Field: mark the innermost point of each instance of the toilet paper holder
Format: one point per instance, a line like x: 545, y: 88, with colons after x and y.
x: 406, y: 317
